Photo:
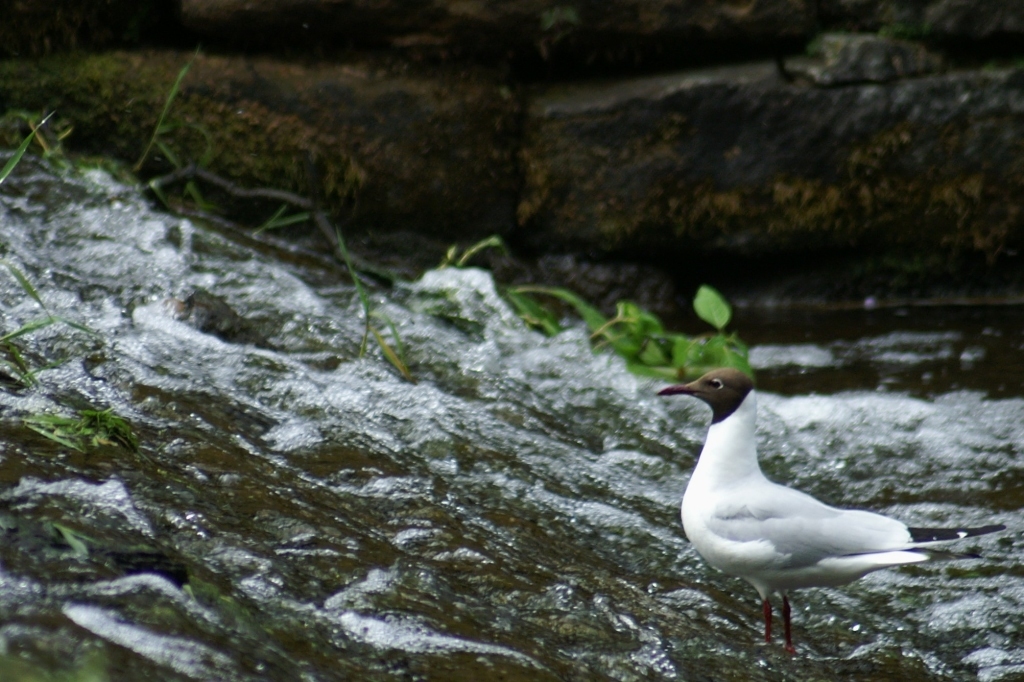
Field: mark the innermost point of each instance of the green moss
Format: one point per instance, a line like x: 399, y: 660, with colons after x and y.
x: 873, y: 205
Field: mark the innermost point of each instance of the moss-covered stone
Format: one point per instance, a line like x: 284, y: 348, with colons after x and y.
x: 741, y: 161
x: 394, y: 149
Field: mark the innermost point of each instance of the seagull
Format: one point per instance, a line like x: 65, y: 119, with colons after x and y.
x: 777, y: 538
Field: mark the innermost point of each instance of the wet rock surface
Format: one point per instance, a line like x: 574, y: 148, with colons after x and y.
x: 300, y: 512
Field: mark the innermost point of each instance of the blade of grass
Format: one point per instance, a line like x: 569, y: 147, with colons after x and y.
x: 25, y: 284
x: 168, y: 152
x: 18, y: 365
x: 73, y: 540
x: 31, y: 374
x: 394, y: 332
x: 54, y: 436
x: 159, y: 192
x: 163, y: 114
x: 276, y: 220
x: 591, y: 315
x: 392, y: 356
x: 533, y: 313
x: 75, y: 325
x: 28, y: 328
x: 494, y: 241
x: 20, y: 152
x: 271, y: 222
x: 363, y: 297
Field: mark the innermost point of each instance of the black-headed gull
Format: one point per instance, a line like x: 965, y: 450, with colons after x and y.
x: 774, y: 537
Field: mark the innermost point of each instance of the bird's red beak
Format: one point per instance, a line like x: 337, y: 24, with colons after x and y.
x: 685, y: 389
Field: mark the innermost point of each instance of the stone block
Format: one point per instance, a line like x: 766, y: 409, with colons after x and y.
x: 738, y: 160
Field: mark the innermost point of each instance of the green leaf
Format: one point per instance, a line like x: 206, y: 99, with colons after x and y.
x: 712, y: 307
x: 738, y: 361
x: 651, y: 354
x: 681, y: 349
x: 714, y: 352
x: 639, y: 322
x: 591, y: 315
x: 664, y: 373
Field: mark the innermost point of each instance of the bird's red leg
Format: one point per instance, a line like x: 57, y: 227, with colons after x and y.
x: 767, y: 607
x: 786, y: 625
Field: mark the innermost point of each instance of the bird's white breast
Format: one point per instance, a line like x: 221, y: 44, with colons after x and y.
x: 727, y: 463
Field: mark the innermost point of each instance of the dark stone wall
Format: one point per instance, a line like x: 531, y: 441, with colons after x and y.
x: 650, y: 130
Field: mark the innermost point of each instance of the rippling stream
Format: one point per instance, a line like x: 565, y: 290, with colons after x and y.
x: 295, y: 512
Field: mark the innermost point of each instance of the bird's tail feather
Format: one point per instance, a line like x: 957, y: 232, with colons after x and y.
x: 942, y: 555
x: 921, y: 536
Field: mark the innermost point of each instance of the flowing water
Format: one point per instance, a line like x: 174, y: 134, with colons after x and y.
x: 296, y: 512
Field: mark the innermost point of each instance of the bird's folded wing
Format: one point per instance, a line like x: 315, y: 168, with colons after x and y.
x: 802, y: 530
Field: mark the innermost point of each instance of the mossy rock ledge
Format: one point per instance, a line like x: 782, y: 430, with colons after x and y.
x: 432, y: 153
x: 740, y: 160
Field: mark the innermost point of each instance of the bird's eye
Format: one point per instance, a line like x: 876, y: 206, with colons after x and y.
x: 716, y: 383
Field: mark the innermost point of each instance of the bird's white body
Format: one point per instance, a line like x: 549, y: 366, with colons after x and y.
x: 774, y: 537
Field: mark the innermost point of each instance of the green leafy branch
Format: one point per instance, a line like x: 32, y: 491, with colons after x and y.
x: 639, y: 336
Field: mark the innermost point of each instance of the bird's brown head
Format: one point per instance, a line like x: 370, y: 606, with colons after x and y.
x: 723, y: 389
